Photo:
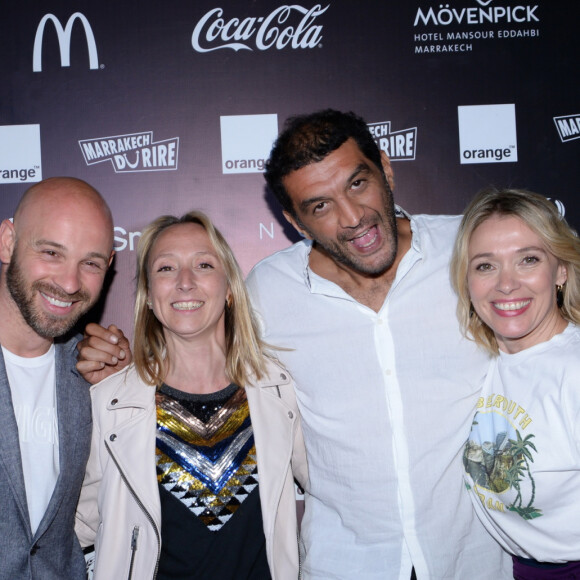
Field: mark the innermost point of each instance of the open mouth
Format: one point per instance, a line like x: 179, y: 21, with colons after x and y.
x: 366, y: 239
x: 55, y: 302
x: 190, y: 305
x: 508, y: 306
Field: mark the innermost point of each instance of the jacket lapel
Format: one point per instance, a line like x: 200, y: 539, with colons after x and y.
x: 10, y: 458
x: 133, y: 419
x: 71, y: 400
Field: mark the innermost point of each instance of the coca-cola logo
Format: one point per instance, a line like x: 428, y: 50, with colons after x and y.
x: 287, y: 26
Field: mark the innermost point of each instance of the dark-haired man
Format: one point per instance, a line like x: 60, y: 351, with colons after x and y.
x: 386, y: 385
x: 54, y: 258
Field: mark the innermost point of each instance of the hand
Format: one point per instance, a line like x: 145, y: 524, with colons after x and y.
x: 102, y: 352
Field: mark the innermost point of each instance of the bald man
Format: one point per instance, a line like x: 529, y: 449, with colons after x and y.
x: 54, y: 256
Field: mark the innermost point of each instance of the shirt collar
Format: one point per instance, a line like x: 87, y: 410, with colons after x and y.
x: 416, y: 238
x: 319, y: 285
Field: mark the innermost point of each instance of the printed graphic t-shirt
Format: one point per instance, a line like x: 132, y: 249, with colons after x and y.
x: 522, y: 458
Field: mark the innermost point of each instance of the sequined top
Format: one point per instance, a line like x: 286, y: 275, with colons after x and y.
x: 208, y: 479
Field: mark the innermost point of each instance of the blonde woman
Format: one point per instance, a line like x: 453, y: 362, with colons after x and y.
x: 516, y: 269
x: 196, y: 444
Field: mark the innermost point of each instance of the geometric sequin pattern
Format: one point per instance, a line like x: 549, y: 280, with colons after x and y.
x: 210, y: 467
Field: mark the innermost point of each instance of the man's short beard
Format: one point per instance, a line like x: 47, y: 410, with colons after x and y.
x: 42, y: 323
x: 336, y: 252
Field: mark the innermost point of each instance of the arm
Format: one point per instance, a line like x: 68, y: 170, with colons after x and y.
x: 102, y: 352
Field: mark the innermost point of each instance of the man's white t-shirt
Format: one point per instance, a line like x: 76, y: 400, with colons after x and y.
x: 33, y: 387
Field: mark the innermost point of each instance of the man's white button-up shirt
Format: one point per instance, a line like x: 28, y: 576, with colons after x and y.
x: 387, y: 401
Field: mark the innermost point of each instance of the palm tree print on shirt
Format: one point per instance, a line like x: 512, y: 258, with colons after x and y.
x: 499, y: 459
x: 522, y: 455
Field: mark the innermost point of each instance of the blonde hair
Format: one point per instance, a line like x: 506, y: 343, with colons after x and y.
x: 543, y: 218
x: 245, y: 351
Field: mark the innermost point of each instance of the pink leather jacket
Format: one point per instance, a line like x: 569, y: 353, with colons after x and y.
x: 119, y: 509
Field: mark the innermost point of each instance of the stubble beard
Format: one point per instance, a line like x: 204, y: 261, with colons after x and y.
x: 387, y: 224
x: 45, y: 325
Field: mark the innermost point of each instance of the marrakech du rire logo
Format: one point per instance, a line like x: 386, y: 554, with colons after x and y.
x: 568, y: 127
x: 398, y: 145
x: 136, y: 152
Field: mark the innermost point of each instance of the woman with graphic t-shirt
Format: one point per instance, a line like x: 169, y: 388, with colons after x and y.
x: 196, y: 443
x: 516, y: 270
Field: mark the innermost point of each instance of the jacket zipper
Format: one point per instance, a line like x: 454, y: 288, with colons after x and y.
x: 299, y: 557
x: 134, y: 537
x: 147, y: 515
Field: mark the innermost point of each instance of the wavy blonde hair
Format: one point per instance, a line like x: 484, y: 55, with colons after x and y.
x: 245, y: 351
x: 543, y: 218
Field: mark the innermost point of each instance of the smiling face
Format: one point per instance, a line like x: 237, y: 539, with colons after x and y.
x: 59, y: 250
x: 511, y: 279
x: 188, y: 286
x: 344, y: 204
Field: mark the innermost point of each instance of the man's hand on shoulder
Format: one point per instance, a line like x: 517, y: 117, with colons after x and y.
x: 102, y: 352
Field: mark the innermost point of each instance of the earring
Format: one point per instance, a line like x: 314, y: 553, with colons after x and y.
x: 149, y: 304
x: 229, y: 301
x: 560, y: 294
x: 471, y: 310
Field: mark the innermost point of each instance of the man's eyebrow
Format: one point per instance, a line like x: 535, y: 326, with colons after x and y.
x: 306, y: 203
x: 43, y: 242
x: 98, y: 255
x: 360, y: 168
x: 57, y: 246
